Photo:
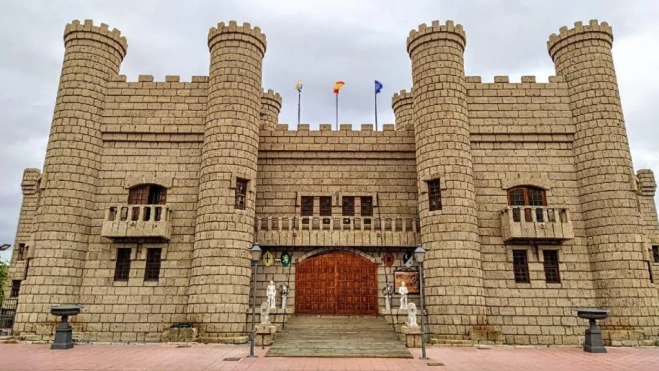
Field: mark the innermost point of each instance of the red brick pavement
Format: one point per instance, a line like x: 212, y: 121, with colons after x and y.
x: 156, y: 357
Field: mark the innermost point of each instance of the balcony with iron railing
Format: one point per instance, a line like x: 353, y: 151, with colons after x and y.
x: 536, y: 224
x: 137, y: 221
x: 337, y: 231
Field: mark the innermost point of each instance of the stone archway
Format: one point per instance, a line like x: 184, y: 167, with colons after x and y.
x: 336, y: 283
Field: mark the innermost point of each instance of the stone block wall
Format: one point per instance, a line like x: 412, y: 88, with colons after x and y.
x: 137, y: 310
x: 499, y: 135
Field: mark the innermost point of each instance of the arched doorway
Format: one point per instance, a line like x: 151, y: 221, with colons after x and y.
x: 336, y: 282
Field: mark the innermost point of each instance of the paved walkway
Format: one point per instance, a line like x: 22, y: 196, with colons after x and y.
x: 157, y: 357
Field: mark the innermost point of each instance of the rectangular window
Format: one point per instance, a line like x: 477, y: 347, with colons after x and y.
x: 152, y: 271
x: 326, y: 206
x: 521, y: 266
x: 15, y: 288
x: 655, y: 253
x: 552, y: 275
x: 20, y: 255
x: 307, y: 206
x: 367, y: 206
x: 122, y: 267
x: 241, y: 194
x: 348, y: 206
x: 434, y: 195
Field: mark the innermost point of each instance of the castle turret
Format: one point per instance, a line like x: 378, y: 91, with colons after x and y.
x: 613, y: 227
x: 220, y: 274
x: 447, y: 205
x: 92, y: 56
x: 402, y: 103
x: 270, y: 108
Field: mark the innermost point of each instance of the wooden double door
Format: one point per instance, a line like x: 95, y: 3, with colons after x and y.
x: 337, y: 282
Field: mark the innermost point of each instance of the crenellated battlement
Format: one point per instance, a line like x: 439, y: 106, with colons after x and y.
x: 647, y: 183
x: 506, y: 80
x: 448, y: 31
x: 149, y: 78
x: 87, y: 30
x: 580, y: 32
x: 233, y: 32
x: 30, y: 180
x: 329, y: 128
x: 273, y: 98
x: 401, y: 98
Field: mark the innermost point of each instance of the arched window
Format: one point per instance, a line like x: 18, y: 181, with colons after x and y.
x: 527, y: 196
x: 147, y: 194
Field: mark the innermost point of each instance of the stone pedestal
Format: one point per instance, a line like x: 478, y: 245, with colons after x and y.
x: 411, y: 336
x: 593, y: 342
x: 64, y: 331
x: 265, y: 334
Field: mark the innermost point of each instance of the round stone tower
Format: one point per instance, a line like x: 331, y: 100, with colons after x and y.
x: 270, y: 108
x: 92, y: 56
x: 613, y: 226
x: 220, y: 275
x: 449, y: 232
x: 402, y: 103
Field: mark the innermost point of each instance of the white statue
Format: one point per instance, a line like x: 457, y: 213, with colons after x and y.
x: 411, y: 315
x: 402, y: 290
x: 265, y: 313
x: 388, y: 290
x: 272, y: 291
x: 284, y: 295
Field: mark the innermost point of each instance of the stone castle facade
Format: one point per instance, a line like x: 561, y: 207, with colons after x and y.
x: 522, y: 193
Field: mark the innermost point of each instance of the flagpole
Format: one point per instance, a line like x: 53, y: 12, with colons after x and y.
x: 337, y: 112
x: 376, y: 111
x: 299, y: 105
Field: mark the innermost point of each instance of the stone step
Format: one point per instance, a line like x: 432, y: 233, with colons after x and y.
x: 338, y: 336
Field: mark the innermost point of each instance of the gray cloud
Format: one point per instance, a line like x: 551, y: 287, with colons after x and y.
x: 316, y: 41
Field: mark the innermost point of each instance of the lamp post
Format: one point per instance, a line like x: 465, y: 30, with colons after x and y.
x: 256, y: 256
x: 420, y: 255
x: 4, y: 246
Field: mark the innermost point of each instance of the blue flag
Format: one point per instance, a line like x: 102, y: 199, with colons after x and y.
x: 378, y: 86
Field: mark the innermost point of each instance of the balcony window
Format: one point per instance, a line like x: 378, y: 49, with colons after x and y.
x: 20, y: 255
x: 367, y: 206
x: 147, y: 194
x: 528, y: 196
x: 326, y: 206
x: 348, y: 206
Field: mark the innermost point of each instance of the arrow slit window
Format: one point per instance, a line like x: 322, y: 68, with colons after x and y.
x: 434, y: 195
x: 241, y: 194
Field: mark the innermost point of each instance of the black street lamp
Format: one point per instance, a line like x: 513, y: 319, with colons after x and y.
x: 420, y: 255
x: 4, y: 246
x: 255, y: 257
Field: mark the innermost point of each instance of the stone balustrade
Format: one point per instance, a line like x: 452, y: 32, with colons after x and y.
x: 137, y: 221
x: 522, y: 224
x: 337, y: 231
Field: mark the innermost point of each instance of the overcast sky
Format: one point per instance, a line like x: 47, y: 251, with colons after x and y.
x: 319, y: 42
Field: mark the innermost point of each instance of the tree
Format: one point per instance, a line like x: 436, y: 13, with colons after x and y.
x: 4, y: 275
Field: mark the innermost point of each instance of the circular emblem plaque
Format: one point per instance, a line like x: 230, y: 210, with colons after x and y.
x: 388, y: 259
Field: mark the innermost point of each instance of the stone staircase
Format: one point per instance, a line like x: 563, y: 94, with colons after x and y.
x: 338, y: 336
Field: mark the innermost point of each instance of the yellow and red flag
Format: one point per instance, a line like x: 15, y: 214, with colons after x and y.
x: 337, y: 86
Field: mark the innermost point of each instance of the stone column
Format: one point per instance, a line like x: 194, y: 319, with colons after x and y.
x: 612, y: 221
x: 92, y: 56
x: 454, y: 278
x: 270, y: 108
x: 402, y: 105
x: 220, y: 274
